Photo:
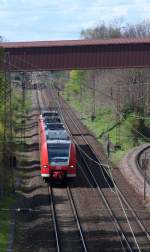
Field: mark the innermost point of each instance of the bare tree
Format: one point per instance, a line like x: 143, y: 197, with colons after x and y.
x: 134, y: 94
x: 102, y: 31
x: 139, y: 30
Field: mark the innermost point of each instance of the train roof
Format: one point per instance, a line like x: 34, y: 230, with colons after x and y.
x: 54, y: 128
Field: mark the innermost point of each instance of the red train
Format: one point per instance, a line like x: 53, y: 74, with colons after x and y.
x: 57, y: 150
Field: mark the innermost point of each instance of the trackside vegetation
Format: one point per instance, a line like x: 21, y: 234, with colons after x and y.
x: 134, y: 129
x: 114, y: 104
x: 11, y: 126
x: 12, y: 118
x: 5, y: 220
x: 14, y: 145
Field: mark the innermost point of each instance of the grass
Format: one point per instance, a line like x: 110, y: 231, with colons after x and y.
x: 5, y: 221
x: 104, y: 120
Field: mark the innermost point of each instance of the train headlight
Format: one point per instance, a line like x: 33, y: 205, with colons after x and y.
x: 45, y: 166
x: 71, y: 166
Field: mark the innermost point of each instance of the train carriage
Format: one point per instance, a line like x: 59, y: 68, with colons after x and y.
x: 57, y: 150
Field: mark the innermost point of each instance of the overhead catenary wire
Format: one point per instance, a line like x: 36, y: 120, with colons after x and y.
x: 74, y: 211
x: 134, y: 214
x: 37, y: 210
x: 80, y: 148
x: 139, y: 117
x: 114, y: 222
x: 120, y: 112
x: 126, y: 217
x: 148, y: 236
x: 137, y: 131
x: 36, y: 68
x: 122, y: 207
x: 99, y: 91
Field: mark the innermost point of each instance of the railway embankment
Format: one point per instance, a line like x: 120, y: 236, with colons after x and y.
x: 132, y: 171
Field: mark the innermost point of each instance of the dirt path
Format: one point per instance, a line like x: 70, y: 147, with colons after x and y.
x: 33, y: 230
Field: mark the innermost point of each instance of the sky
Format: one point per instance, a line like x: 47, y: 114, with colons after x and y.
x: 31, y: 20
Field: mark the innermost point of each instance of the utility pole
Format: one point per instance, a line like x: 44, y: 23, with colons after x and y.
x: 5, y: 117
x: 93, y: 115
x: 23, y: 110
x: 118, y: 118
x: 7, y: 102
x: 81, y: 93
x: 68, y: 95
x: 8, y: 127
x: 108, y: 146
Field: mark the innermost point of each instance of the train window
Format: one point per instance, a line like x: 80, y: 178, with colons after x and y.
x: 49, y: 113
x: 54, y: 126
x: 55, y: 134
x: 58, y: 152
x: 53, y: 113
x: 53, y: 119
x: 45, y: 114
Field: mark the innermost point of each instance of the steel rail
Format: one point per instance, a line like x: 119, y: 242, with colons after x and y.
x: 54, y: 218
x: 141, y: 225
x: 101, y: 194
x: 138, y: 221
x: 76, y: 217
x: 108, y: 208
x: 74, y: 210
x: 121, y: 194
x: 119, y: 228
x: 75, y: 213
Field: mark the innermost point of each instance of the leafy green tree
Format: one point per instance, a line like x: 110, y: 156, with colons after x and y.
x: 76, y: 82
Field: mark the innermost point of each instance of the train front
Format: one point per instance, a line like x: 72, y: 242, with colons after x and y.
x: 58, y: 152
x: 62, y: 159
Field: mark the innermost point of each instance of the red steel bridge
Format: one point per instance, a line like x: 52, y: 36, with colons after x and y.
x: 76, y: 54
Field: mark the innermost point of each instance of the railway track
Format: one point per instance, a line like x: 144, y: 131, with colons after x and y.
x: 130, y: 216
x: 68, y: 232
x: 137, y: 233
x: 122, y: 239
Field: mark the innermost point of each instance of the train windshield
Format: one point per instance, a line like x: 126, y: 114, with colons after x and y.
x: 58, y: 153
x: 49, y: 113
x: 52, y: 119
x: 57, y: 134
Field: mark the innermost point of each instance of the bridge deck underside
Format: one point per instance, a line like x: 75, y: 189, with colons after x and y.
x: 77, y: 57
